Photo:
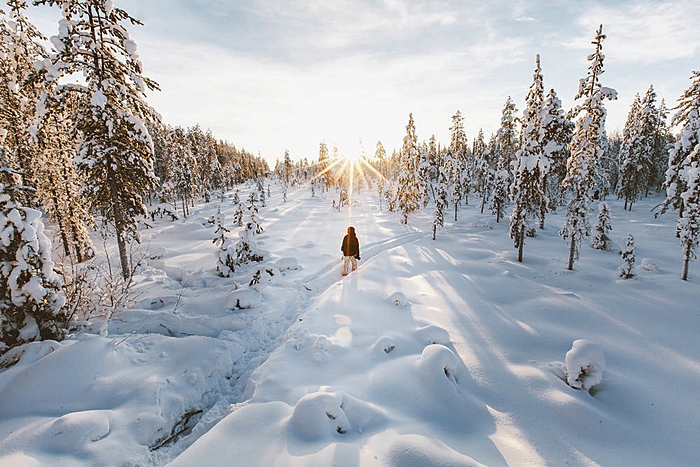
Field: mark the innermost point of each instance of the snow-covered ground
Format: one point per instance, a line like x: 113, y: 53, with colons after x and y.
x: 432, y: 353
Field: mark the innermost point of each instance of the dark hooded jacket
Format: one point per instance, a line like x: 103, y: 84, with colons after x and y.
x: 350, y: 246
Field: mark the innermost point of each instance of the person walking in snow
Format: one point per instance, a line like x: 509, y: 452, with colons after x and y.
x: 351, y: 251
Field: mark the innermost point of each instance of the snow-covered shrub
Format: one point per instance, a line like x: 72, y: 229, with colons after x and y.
x: 226, y: 259
x: 601, y: 240
x: 225, y: 255
x: 247, y: 252
x: 246, y: 249
x: 165, y: 209
x: 627, y: 269
x: 263, y: 276
x: 31, y: 298
x: 585, y: 363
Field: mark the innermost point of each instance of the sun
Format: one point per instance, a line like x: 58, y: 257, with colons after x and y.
x: 353, y: 156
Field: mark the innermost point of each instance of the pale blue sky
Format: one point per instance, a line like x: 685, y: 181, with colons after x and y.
x: 270, y: 75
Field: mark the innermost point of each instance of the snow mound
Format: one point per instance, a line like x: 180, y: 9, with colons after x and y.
x: 157, y: 252
x: 75, y: 432
x: 419, y: 451
x: 243, y: 299
x: 439, y: 368
x: 328, y: 416
x: 384, y: 345
x: 398, y: 299
x: 585, y: 363
x: 287, y: 264
x: 433, y: 335
x: 650, y: 265
x: 157, y: 303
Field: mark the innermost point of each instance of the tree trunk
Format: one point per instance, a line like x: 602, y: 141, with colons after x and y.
x: 434, y: 231
x: 572, y: 250
x: 119, y: 227
x: 521, y: 243
x: 543, y: 211
x: 61, y: 228
x: 121, y: 243
x: 455, y: 212
x: 686, y: 259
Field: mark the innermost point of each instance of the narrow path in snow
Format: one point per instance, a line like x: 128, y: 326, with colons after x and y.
x: 310, y: 230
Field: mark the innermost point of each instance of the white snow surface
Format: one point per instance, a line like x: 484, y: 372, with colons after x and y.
x: 432, y: 353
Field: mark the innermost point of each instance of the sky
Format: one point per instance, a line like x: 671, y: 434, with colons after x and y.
x: 276, y: 75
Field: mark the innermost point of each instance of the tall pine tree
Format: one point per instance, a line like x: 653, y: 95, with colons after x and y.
x: 557, y: 136
x: 683, y: 174
x: 408, y: 190
x: 528, y: 190
x: 631, y: 159
x: 116, y: 154
x: 586, y: 148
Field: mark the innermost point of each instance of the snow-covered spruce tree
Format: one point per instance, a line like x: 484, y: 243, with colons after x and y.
x: 323, y: 167
x: 689, y: 222
x: 501, y: 179
x: 423, y: 177
x: 507, y: 134
x: 225, y: 255
x: 246, y: 248
x: 586, y: 148
x: 662, y: 144
x: 380, y: 157
x: 679, y: 155
x: 285, y: 173
x: 261, y: 192
x: 390, y: 197
x: 440, y: 202
x: 601, y: 239
x: 631, y: 161
x: 238, y: 216
x: 58, y: 184
x: 482, y: 175
x: 503, y: 154
x: 408, y: 191
x: 116, y: 153
x: 434, y: 159
x: 204, y: 159
x: 527, y: 190
x: 653, y: 139
x: 252, y: 210
x: 557, y: 136
x: 456, y: 163
x: 644, y: 141
x: 21, y: 45
x: 537, y: 113
x: 31, y: 298
x: 183, y: 170
x: 627, y: 269
x: 455, y: 170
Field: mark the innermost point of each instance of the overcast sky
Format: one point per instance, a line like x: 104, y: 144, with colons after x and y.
x: 270, y: 75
